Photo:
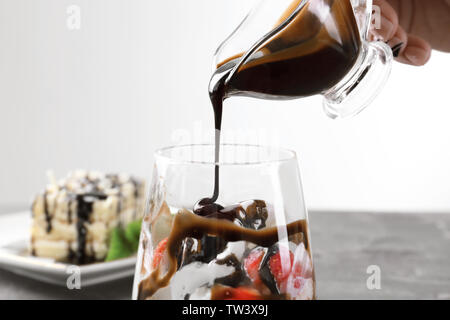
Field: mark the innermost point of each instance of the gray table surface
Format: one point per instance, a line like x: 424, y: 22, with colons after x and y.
x: 411, y: 250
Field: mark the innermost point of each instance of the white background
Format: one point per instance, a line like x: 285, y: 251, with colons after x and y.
x: 135, y: 76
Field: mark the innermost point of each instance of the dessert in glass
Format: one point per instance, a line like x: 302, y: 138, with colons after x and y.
x: 251, y: 243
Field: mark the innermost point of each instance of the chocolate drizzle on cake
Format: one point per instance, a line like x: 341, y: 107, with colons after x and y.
x: 84, y: 209
x: 69, y: 209
x: 48, y: 218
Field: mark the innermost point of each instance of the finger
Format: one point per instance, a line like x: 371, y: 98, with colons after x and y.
x: 385, y: 25
x: 398, y: 43
x: 417, y: 52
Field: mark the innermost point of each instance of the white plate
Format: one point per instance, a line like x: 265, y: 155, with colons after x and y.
x: 15, y: 227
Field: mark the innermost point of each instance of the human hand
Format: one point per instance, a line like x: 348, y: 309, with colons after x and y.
x: 414, y: 27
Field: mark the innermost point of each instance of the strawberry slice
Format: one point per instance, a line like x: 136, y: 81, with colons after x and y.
x: 280, y: 265
x: 300, y: 284
x: 252, y: 264
x: 158, y: 253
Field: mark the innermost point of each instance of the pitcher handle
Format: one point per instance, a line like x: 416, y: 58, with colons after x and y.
x: 363, y: 14
x: 369, y: 74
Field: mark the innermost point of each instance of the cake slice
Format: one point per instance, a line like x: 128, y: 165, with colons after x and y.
x: 73, y: 219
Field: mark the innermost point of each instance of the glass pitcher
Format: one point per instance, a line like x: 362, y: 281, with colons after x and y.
x: 288, y: 49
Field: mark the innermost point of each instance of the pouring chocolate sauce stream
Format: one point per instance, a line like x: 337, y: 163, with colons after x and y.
x: 220, y: 88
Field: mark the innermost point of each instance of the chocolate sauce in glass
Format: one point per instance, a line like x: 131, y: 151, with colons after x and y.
x: 189, y: 225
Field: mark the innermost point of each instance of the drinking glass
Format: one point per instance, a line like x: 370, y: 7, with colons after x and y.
x: 254, y: 245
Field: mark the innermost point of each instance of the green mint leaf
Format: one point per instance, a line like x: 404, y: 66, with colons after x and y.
x: 132, y: 234
x: 118, y: 246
